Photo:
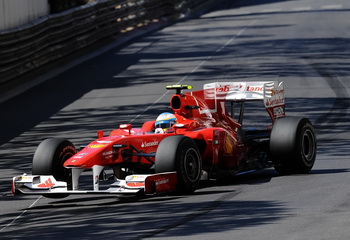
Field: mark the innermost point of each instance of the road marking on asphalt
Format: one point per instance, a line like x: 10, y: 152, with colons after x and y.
x: 301, y: 9
x: 273, y: 10
x: 229, y: 42
x: 242, y: 13
x: 8, y: 225
x: 330, y: 7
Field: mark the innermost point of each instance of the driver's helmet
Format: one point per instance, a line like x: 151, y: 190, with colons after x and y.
x: 165, y: 120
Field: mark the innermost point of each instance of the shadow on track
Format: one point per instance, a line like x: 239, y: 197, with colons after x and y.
x: 90, y: 217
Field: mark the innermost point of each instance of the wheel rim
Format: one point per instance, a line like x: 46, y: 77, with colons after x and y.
x: 308, y: 145
x: 191, y: 164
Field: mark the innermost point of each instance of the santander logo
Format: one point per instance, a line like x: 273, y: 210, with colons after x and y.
x: 150, y: 144
x: 227, y: 88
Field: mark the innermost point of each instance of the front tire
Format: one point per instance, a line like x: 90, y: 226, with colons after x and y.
x: 180, y: 154
x: 49, y: 158
x: 293, y: 145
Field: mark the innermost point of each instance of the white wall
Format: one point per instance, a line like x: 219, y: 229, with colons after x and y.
x: 14, y: 13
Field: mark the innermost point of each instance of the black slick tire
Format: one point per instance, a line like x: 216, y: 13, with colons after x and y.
x: 49, y: 158
x: 180, y: 154
x: 293, y: 145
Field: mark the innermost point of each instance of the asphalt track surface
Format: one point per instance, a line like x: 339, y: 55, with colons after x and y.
x: 303, y: 43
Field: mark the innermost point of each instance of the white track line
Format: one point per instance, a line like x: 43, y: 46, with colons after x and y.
x: 302, y: 9
x: 8, y: 225
x: 272, y: 10
x: 331, y: 7
x: 197, y: 67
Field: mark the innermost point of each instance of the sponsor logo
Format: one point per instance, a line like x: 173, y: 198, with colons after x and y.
x: 228, y: 145
x: 162, y: 181
x: 278, y: 111
x: 254, y: 89
x: 138, y: 177
x: 277, y: 92
x: 79, y: 155
x: 47, y: 184
x: 96, y: 145
x: 108, y: 153
x: 150, y: 144
x: 275, y: 98
x: 135, y: 184
x: 274, y: 102
x: 24, y: 178
x: 227, y: 88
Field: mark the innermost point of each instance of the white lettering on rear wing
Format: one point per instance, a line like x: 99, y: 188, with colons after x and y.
x: 274, y: 100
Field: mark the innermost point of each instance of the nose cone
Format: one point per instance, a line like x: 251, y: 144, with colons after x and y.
x: 93, y: 154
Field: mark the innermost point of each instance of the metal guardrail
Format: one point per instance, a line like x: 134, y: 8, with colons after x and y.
x: 47, y: 39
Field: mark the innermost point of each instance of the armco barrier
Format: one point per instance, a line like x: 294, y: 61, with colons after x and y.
x: 47, y: 39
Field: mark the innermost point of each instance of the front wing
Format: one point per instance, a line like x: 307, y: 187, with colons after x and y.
x: 132, y: 185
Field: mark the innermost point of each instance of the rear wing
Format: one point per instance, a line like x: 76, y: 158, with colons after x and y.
x: 271, y: 93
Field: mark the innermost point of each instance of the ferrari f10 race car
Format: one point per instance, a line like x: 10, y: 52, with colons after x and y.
x: 202, y: 139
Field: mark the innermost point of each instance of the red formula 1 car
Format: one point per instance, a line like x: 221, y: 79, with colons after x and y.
x: 201, y: 141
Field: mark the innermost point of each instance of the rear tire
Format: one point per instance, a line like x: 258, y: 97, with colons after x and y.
x: 293, y: 145
x: 49, y: 158
x: 180, y: 154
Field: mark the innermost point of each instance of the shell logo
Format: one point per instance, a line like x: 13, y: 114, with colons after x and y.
x: 96, y: 145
